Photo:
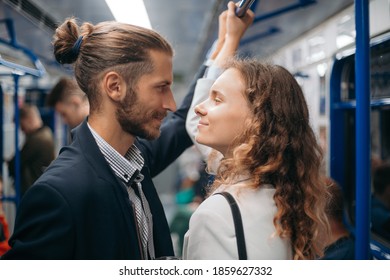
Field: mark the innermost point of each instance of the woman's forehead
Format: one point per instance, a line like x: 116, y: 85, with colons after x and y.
x: 229, y: 81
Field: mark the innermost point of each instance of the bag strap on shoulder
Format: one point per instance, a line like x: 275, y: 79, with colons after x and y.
x: 241, y: 246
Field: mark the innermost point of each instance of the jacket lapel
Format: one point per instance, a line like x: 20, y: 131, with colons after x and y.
x: 84, y: 139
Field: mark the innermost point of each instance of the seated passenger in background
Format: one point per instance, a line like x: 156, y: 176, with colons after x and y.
x: 38, y: 150
x: 69, y: 101
x: 340, y: 244
x: 256, y: 116
x: 380, y: 206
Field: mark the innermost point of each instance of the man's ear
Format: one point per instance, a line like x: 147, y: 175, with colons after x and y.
x: 114, y: 86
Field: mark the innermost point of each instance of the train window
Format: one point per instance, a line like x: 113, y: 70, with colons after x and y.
x: 380, y: 204
x: 380, y: 71
x: 297, y: 57
x: 348, y: 80
x: 380, y: 143
x: 345, y: 31
x: 316, y: 48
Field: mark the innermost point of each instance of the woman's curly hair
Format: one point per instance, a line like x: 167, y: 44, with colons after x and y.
x: 278, y: 147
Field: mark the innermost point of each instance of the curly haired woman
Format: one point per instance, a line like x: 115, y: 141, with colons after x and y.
x: 256, y: 116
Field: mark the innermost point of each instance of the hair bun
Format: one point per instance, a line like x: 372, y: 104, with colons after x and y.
x: 67, y: 42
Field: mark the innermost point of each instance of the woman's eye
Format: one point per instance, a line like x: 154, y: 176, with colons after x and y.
x: 217, y: 100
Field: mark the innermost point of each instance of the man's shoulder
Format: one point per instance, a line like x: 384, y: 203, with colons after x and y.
x: 70, y: 160
x: 68, y: 173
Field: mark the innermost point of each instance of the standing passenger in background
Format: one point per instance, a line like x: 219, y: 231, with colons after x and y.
x: 69, y: 101
x: 38, y: 150
x: 97, y: 200
x: 256, y: 116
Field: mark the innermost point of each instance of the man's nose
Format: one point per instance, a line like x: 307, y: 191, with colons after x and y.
x: 169, y: 102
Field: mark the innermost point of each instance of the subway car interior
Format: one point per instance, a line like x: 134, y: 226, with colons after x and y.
x: 340, y: 58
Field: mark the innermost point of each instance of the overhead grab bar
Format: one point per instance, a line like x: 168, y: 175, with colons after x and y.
x: 20, y: 69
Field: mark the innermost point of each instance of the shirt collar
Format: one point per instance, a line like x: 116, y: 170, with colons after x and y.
x: 124, y: 167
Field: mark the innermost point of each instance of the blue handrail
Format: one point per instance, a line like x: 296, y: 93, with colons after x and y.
x: 20, y: 69
x: 17, y: 175
x: 363, y: 180
x: 300, y: 4
x: 273, y: 30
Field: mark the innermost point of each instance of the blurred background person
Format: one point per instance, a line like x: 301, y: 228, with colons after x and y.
x: 69, y: 101
x: 38, y: 150
x: 340, y: 243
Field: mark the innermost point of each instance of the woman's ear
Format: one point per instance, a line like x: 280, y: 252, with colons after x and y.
x: 114, y: 86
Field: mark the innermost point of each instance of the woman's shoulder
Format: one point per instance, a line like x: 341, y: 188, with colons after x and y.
x: 244, y: 190
x: 245, y: 196
x: 215, y: 203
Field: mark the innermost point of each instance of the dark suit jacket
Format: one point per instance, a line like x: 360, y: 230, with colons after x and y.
x: 78, y: 209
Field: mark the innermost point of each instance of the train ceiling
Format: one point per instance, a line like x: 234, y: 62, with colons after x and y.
x: 190, y: 25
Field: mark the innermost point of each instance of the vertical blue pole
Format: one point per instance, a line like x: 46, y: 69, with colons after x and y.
x: 362, y: 82
x: 17, y: 152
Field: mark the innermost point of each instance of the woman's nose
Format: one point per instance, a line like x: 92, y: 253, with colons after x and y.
x: 200, y: 109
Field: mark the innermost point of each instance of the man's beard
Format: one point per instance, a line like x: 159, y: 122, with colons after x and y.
x: 134, y: 120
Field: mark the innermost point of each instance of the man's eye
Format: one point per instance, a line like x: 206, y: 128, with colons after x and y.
x: 166, y: 88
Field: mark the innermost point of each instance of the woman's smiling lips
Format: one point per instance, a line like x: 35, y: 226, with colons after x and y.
x: 201, y: 123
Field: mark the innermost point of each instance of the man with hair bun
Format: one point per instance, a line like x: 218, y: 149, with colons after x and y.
x: 97, y: 200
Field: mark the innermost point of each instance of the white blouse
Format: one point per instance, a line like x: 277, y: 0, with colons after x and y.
x: 211, y: 234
